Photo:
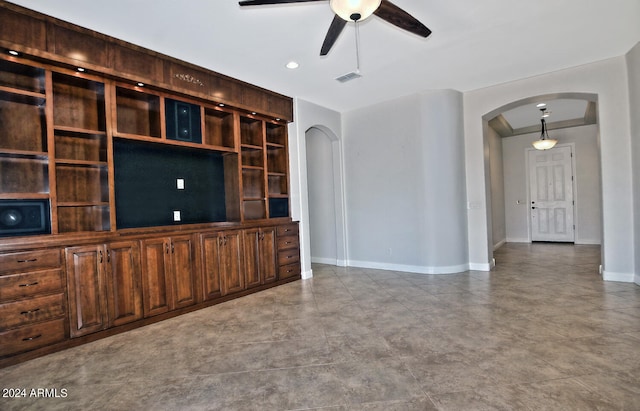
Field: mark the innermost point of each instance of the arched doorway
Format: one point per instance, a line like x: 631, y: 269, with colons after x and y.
x: 326, y: 203
x: 508, y: 175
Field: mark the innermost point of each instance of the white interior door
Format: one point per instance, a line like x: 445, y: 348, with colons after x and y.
x: 551, y: 193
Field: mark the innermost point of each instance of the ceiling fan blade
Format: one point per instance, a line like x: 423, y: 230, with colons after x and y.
x: 398, y: 17
x: 332, y: 34
x: 263, y: 2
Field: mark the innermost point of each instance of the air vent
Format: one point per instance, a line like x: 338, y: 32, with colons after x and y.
x: 349, y: 76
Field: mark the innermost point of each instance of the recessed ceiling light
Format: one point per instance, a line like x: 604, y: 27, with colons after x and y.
x: 292, y: 65
x: 80, y: 69
x: 542, y: 105
x: 140, y: 84
x: 14, y: 53
x: 545, y: 114
x: 253, y: 113
x: 221, y: 105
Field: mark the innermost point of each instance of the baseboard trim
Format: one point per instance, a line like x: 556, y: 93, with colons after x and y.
x: 518, y: 240
x: 416, y: 269
x: 588, y: 241
x: 499, y: 244
x: 481, y: 266
x: 619, y: 277
x: 324, y: 260
x: 307, y: 274
x: 637, y: 281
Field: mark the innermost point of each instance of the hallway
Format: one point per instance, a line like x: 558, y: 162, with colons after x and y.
x: 540, y: 331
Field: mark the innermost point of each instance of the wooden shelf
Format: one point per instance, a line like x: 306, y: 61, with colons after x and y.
x: 78, y: 103
x: 82, y: 204
x: 36, y: 155
x: 23, y: 196
x: 82, y: 163
x: 20, y: 78
x: 137, y: 113
x: 11, y: 90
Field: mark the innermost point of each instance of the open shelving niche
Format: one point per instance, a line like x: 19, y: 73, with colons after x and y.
x: 80, y: 152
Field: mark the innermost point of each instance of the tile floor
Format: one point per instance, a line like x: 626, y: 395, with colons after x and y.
x: 540, y: 332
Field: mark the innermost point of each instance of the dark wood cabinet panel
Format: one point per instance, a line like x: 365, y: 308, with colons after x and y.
x: 231, y: 263
x: 79, y: 46
x: 168, y: 274
x: 210, y: 263
x: 85, y: 285
x: 146, y: 67
x: 21, y: 29
x: 182, y: 272
x: 259, y: 256
x: 31, y: 337
x: 124, y: 294
x: 155, y: 282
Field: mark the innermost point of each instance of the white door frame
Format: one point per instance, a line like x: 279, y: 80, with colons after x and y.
x: 573, y: 184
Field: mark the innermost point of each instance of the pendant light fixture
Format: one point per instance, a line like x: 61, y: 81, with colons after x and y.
x: 544, y: 143
x: 354, y: 10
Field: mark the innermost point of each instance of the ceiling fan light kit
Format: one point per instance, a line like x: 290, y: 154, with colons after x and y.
x: 354, y: 10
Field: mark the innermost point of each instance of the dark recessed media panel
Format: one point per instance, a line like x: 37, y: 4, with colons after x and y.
x: 158, y: 185
x: 183, y: 121
x: 24, y: 217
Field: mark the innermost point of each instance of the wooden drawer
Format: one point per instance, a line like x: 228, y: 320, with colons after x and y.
x: 17, y: 286
x: 288, y: 242
x: 31, y: 337
x: 288, y: 229
x: 286, y: 257
x: 288, y: 271
x: 30, y: 260
x: 31, y: 310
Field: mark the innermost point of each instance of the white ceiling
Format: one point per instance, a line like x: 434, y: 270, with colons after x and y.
x: 474, y: 43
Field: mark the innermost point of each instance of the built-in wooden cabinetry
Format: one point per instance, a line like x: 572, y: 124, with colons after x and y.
x: 78, y: 112
x: 168, y: 274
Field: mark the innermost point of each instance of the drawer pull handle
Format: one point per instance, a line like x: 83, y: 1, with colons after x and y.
x: 289, y: 271
x: 289, y: 256
x: 30, y: 311
x: 32, y: 260
x: 288, y: 242
x: 32, y: 338
x: 28, y: 285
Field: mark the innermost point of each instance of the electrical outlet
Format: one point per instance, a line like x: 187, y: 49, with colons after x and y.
x: 176, y: 216
x: 180, y: 183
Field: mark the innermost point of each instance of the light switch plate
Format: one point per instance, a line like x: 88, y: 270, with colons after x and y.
x: 176, y: 216
x: 180, y: 183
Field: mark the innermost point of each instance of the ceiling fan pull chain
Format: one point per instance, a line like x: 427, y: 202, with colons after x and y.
x: 357, y: 47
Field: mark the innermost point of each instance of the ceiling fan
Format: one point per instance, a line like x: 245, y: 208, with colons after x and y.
x: 356, y: 10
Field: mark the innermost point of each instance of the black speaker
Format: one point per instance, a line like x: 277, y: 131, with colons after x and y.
x: 278, y: 207
x: 24, y: 217
x: 183, y: 121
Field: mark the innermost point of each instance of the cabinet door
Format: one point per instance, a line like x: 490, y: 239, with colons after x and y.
x: 124, y: 298
x: 251, y: 242
x: 156, y: 290
x: 231, y: 265
x: 183, y: 269
x: 87, y: 305
x: 210, y: 263
x: 268, y: 264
